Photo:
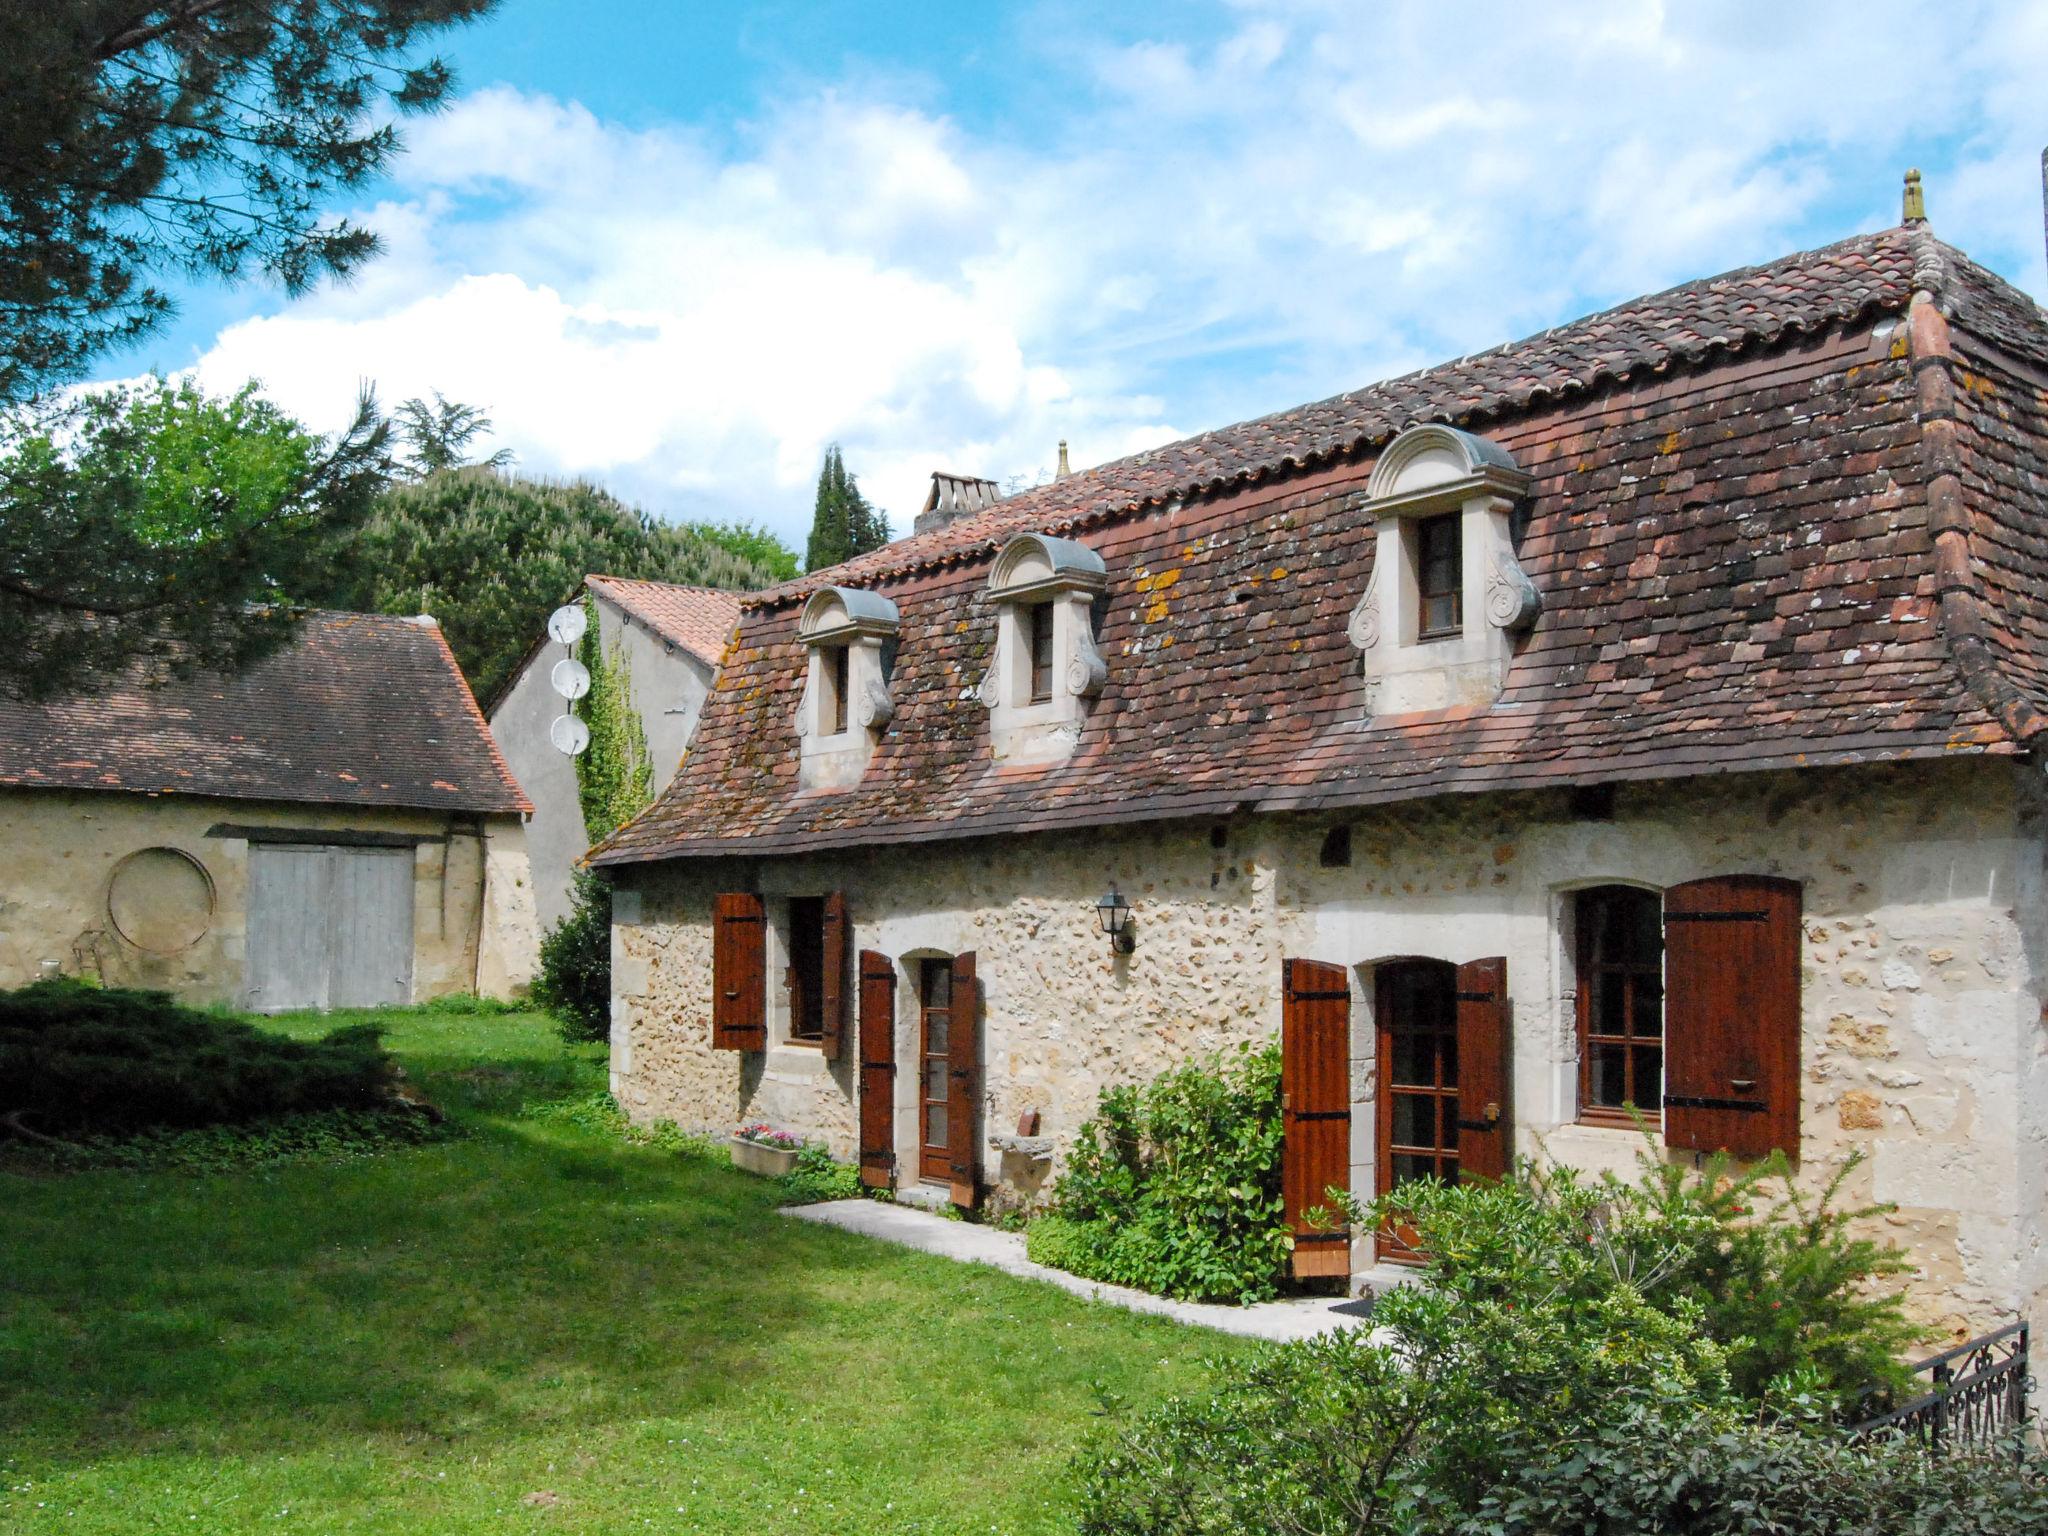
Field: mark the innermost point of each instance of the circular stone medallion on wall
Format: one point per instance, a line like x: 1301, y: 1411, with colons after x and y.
x: 161, y: 900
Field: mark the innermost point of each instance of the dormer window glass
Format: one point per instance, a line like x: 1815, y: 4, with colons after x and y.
x: 835, y: 672
x: 1440, y: 574
x: 849, y: 638
x: 1043, y: 668
x: 1041, y: 652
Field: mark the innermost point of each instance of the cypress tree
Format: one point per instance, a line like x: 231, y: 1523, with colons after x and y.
x: 843, y: 524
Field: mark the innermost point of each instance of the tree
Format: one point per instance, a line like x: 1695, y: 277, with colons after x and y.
x: 200, y: 137
x: 438, y: 436
x: 490, y: 555
x: 157, y: 525
x: 843, y: 524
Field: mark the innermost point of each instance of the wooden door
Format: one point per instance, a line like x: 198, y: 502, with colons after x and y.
x: 877, y: 1070
x: 1731, y: 1015
x: 1415, y: 1012
x: 328, y: 927
x: 935, y: 1064
x: 1315, y: 1110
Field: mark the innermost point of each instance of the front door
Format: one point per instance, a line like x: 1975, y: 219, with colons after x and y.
x: 1416, y: 1012
x: 935, y: 1043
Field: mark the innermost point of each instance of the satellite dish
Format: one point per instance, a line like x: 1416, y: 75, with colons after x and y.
x: 569, y: 735
x: 567, y: 623
x: 571, y: 678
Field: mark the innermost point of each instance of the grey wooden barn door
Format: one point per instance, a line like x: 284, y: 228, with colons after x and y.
x: 329, y: 927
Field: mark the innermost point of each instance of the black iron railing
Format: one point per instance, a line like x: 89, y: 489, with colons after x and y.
x: 1978, y: 1398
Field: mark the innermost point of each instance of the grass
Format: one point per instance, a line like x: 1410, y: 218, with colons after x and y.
x: 535, y: 1325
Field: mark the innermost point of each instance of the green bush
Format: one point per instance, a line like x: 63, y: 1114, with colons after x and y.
x: 575, y: 980
x: 334, y: 1135
x: 1580, y: 1354
x: 82, y: 1061
x: 817, y: 1177
x: 1174, y: 1186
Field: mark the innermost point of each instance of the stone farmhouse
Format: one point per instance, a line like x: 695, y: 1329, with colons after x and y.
x: 330, y: 828
x: 670, y: 638
x: 1641, y: 718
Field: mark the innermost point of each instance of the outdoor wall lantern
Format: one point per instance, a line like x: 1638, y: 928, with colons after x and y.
x: 1114, y: 913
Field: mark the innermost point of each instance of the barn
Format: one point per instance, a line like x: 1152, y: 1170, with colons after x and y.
x: 331, y: 828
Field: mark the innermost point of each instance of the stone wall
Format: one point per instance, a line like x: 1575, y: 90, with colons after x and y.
x: 60, y: 851
x: 1922, y: 1000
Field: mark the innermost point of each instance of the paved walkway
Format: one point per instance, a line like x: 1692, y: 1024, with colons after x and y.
x: 971, y: 1244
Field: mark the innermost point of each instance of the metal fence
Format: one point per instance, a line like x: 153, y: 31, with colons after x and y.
x: 1978, y: 1398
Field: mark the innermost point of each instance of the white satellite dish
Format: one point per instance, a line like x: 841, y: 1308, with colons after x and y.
x: 569, y: 735
x: 567, y: 623
x: 571, y: 678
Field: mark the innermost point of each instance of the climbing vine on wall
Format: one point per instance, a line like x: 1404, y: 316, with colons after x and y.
x: 614, y: 776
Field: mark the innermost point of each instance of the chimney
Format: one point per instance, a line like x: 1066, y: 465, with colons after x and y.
x: 953, y: 497
x: 1063, y: 471
x: 1915, y: 211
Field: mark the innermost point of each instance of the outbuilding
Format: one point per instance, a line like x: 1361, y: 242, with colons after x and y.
x: 331, y: 828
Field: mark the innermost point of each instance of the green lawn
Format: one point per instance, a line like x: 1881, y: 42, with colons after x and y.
x: 537, y: 1326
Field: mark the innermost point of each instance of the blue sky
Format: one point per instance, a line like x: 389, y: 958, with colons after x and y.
x: 679, y: 249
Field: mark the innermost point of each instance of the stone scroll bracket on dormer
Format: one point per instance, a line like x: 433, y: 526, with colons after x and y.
x: 1045, y: 667
x: 1437, y: 622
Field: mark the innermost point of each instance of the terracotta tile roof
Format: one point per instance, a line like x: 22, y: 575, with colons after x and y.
x: 1729, y: 524
x: 699, y: 619
x: 359, y: 709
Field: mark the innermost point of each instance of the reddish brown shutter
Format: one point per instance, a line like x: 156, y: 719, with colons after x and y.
x: 1315, y: 1113
x: 1731, y: 1015
x: 962, y: 1084
x: 739, y: 973
x: 1486, y: 1138
x: 832, y: 971
x: 877, y: 1070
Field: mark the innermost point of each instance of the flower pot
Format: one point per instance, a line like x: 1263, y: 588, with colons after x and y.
x: 768, y: 1162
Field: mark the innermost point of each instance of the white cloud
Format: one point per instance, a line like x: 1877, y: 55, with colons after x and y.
x: 1326, y: 194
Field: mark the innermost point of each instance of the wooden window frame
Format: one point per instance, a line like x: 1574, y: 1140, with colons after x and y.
x: 1445, y: 525
x: 838, y: 660
x: 934, y: 1162
x: 804, y: 940
x: 1395, y: 1243
x: 1039, y: 626
x: 1585, y: 979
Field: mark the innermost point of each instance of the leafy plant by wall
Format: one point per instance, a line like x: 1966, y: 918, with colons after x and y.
x: 1174, y: 1185
x: 614, y: 776
x: 574, y: 983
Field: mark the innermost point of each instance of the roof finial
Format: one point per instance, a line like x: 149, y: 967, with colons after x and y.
x: 1916, y: 201
x: 1064, y: 471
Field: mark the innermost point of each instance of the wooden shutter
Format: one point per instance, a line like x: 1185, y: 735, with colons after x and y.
x: 739, y: 973
x: 962, y: 1085
x: 832, y: 975
x: 1315, y: 1108
x: 1731, y: 1015
x: 1486, y: 1137
x: 877, y: 1070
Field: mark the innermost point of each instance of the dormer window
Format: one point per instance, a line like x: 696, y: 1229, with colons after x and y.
x: 1440, y: 563
x: 1041, y: 652
x: 1045, y: 667
x: 1447, y: 597
x: 849, y: 639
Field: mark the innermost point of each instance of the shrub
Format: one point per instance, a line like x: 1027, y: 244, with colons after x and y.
x: 575, y: 980
x: 79, y: 1061
x: 1174, y: 1185
x: 468, y: 1004
x: 334, y: 1135
x: 817, y: 1177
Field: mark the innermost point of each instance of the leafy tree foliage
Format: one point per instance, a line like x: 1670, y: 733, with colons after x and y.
x: 490, y: 555
x: 843, y: 524
x: 438, y: 436
x: 139, y: 137
x: 137, y: 525
x: 574, y: 983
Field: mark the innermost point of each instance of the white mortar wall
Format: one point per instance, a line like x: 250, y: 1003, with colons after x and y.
x: 1922, y: 1003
